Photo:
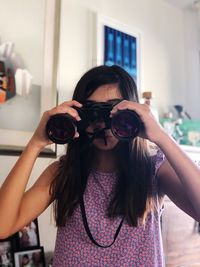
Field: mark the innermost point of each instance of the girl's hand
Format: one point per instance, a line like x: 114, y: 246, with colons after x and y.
x: 39, y: 137
x: 152, y: 130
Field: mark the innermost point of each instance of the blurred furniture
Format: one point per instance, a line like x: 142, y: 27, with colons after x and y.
x: 184, y: 131
x: 181, y: 237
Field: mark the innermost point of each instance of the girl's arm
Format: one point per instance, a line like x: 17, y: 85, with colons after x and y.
x: 12, y: 190
x: 179, y: 176
x: 18, y: 208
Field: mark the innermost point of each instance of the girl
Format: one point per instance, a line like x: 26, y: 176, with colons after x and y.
x: 107, y: 196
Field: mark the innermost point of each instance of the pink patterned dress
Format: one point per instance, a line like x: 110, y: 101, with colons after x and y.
x: 134, y: 247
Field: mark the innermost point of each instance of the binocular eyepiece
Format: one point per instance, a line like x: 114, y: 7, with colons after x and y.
x: 125, y: 125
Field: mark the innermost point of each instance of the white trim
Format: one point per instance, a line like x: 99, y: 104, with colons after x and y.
x: 50, y: 61
x: 21, y: 138
x: 102, y: 21
x: 192, y: 149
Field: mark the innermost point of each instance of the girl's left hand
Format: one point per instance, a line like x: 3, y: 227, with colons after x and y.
x: 152, y: 130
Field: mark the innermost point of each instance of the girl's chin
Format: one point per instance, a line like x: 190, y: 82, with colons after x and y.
x: 111, y: 144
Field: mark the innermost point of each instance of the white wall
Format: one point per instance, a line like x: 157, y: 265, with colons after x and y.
x: 162, y: 31
x: 162, y: 50
x: 192, y: 61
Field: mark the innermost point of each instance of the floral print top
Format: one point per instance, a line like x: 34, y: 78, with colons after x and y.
x: 134, y: 247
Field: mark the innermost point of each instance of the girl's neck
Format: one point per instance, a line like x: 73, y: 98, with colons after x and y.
x: 105, y: 162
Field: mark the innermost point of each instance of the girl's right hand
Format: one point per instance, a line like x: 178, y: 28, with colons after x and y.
x: 39, y: 137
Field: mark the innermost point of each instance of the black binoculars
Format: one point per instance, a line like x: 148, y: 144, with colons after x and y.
x: 125, y: 125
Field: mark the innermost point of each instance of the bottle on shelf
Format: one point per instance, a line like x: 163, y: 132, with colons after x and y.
x: 3, y: 76
x: 3, y: 81
x: 147, y: 98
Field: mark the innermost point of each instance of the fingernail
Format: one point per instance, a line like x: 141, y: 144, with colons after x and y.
x: 78, y: 118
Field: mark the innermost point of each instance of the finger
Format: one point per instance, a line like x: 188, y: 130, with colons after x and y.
x: 72, y: 103
x: 137, y: 107
x: 76, y: 135
x: 121, y: 106
x: 62, y: 109
x: 142, y: 110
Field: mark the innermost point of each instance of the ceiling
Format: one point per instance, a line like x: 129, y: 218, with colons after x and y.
x: 182, y: 3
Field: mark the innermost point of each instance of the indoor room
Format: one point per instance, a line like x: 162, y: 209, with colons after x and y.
x: 46, y: 46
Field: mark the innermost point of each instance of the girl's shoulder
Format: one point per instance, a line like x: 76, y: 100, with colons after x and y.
x: 157, y: 156
x: 157, y: 159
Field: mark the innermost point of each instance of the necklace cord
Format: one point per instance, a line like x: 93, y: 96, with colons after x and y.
x: 87, y: 229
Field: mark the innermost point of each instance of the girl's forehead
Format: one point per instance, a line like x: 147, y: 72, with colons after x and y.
x: 105, y: 93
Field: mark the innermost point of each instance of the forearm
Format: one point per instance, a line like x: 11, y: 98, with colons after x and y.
x: 185, y: 168
x: 13, y: 188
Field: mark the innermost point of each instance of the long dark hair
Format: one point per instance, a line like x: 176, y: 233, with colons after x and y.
x: 133, y: 196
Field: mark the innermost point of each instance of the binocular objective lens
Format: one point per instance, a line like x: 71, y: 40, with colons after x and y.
x: 61, y: 129
x: 125, y: 125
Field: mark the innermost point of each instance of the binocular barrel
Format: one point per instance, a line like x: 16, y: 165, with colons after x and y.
x: 61, y: 128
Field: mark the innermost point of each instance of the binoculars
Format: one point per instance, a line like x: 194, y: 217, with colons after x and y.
x: 125, y: 125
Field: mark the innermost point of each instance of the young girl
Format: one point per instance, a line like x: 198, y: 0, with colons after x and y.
x: 107, y: 196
